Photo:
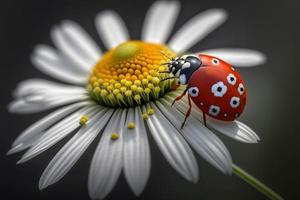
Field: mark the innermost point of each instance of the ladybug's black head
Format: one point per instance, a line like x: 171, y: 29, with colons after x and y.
x: 183, y: 67
x: 175, y: 65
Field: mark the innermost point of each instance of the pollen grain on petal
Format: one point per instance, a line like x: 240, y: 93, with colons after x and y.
x: 114, y: 136
x: 131, y: 125
x: 83, y: 120
x: 145, y: 116
x: 150, y: 111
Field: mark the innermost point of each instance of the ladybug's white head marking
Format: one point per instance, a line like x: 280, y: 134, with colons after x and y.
x: 231, y: 79
x: 182, y: 79
x: 241, y: 89
x: 215, y: 61
x: 186, y: 65
x: 234, y: 102
x: 214, y: 110
x: 219, y: 89
x: 193, y: 91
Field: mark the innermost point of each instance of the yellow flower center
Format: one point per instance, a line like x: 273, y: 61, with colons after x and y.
x: 128, y: 75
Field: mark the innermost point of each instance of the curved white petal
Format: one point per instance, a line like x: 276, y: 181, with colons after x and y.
x: 205, y: 142
x: 30, y: 106
x: 238, y: 57
x: 136, y: 152
x: 196, y: 29
x: 160, y: 20
x: 107, y: 161
x: 235, y: 129
x: 35, y: 95
x: 68, y: 38
x: 172, y: 145
x: 87, y: 47
x: 111, y: 28
x: 57, y: 132
x: 42, y: 86
x: 33, y: 132
x: 65, y: 159
x: 47, y: 60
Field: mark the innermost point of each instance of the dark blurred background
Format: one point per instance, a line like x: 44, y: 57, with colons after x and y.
x: 272, y: 110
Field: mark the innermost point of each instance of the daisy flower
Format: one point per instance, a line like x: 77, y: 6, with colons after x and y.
x: 118, y: 94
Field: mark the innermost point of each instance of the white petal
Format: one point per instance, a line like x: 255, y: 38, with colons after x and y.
x: 47, y: 60
x: 42, y: 86
x: 36, y: 104
x: 235, y: 129
x: 35, y: 95
x: 205, y: 142
x: 107, y: 161
x: 86, y: 44
x: 136, y: 152
x: 238, y: 57
x: 65, y: 159
x: 160, y: 20
x: 69, y: 39
x: 172, y: 145
x: 196, y: 29
x: 33, y: 132
x: 57, y: 132
x: 111, y: 28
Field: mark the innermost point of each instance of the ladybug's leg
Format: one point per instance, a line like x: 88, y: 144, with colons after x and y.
x: 204, y: 119
x: 175, y: 86
x: 179, y: 97
x: 164, y: 72
x: 187, y: 114
x: 172, y: 77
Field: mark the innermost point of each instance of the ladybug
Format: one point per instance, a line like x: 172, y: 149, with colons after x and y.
x: 213, y: 85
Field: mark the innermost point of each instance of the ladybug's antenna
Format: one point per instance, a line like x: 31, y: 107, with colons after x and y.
x: 163, y: 53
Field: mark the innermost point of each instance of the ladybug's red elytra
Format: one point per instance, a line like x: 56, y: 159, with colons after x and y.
x: 212, y: 84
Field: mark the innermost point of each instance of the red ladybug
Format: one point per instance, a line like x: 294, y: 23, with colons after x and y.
x: 212, y: 84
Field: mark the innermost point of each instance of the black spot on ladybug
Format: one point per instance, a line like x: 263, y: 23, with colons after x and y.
x: 231, y: 79
x: 193, y: 91
x: 219, y: 89
x: 241, y: 89
x: 214, y: 110
x: 215, y: 61
x: 234, y: 102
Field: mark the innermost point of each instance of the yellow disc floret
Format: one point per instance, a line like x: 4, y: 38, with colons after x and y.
x: 128, y: 75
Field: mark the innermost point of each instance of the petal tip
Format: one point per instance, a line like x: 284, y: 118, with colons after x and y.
x: 21, y: 161
x: 15, y: 149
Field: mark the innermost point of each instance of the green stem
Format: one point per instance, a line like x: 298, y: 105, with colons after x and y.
x: 255, y: 183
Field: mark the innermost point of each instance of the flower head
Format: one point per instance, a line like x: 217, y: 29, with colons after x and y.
x: 128, y: 75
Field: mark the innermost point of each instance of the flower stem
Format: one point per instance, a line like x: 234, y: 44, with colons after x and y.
x: 255, y: 183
